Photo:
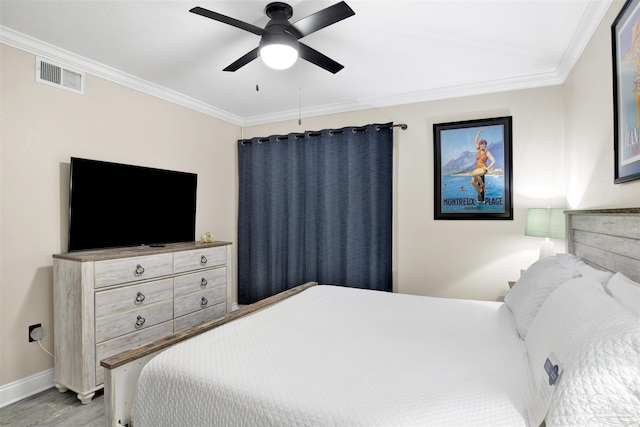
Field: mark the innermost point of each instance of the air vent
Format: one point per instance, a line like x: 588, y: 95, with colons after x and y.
x: 52, y: 74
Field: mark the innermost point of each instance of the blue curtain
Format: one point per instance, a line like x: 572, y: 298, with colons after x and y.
x: 315, y: 206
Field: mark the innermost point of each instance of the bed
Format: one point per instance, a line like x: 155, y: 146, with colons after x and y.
x: 564, y: 347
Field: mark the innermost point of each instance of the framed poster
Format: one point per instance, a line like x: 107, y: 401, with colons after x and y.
x: 625, y: 37
x: 473, y: 169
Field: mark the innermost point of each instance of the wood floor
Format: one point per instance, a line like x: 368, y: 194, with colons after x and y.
x: 52, y: 408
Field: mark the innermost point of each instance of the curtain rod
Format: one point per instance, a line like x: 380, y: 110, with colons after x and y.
x: 402, y: 126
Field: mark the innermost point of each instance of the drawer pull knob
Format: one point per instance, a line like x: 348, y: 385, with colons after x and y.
x: 140, y: 297
x: 203, y: 260
x: 204, y: 302
x: 139, y: 270
x: 140, y: 322
x: 203, y: 283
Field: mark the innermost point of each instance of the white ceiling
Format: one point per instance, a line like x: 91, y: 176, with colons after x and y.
x: 394, y: 52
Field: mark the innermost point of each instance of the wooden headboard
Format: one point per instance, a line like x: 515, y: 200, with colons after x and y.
x: 606, y: 238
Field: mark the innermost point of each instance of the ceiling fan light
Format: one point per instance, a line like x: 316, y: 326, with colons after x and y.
x: 278, y: 56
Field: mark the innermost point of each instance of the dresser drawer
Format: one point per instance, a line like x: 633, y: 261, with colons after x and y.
x: 199, y: 281
x: 124, y: 270
x: 131, y: 321
x: 199, y: 258
x: 114, y: 301
x: 198, y: 317
x: 199, y: 300
x: 128, y: 342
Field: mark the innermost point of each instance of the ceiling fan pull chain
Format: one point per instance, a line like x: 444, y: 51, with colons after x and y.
x: 299, y: 95
x: 257, y: 76
x: 299, y: 106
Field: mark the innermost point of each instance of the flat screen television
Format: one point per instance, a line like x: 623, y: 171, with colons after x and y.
x: 118, y: 205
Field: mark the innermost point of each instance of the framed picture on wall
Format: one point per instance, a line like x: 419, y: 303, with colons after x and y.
x: 625, y: 37
x: 473, y: 169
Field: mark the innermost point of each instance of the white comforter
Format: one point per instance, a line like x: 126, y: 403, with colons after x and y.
x: 338, y: 356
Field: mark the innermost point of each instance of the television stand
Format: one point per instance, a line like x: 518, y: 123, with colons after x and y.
x: 109, y: 301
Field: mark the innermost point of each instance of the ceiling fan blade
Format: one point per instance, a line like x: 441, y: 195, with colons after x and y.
x: 319, y: 20
x: 227, y: 20
x: 244, y: 60
x: 318, y: 58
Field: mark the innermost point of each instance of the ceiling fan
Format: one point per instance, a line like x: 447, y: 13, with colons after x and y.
x: 279, y: 47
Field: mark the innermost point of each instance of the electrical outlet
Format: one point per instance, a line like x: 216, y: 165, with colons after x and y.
x: 36, y: 332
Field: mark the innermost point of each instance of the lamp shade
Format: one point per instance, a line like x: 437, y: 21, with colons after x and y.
x: 545, y: 222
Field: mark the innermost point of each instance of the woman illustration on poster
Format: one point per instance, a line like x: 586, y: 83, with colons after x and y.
x: 477, y: 176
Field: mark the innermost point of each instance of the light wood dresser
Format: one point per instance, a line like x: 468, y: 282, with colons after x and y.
x: 111, y: 300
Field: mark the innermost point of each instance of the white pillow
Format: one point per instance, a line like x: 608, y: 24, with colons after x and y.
x: 572, y: 262
x: 533, y: 288
x: 596, y: 344
x: 559, y: 321
x: 568, y: 261
x: 587, y: 270
x: 602, y: 385
x: 625, y: 291
x: 549, y: 337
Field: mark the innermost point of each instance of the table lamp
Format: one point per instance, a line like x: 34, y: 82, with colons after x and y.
x: 547, y: 223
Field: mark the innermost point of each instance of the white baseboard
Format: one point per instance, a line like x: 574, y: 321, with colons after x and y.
x: 18, y: 390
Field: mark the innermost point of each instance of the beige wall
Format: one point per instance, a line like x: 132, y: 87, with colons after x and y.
x: 589, y: 127
x: 42, y: 127
x: 562, y: 148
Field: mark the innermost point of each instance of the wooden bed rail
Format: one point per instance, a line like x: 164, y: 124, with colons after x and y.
x: 122, y: 370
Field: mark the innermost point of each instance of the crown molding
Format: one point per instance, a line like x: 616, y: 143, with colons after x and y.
x: 504, y: 85
x: 589, y: 22
x: 72, y: 60
x: 587, y: 26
